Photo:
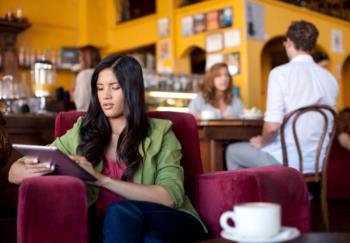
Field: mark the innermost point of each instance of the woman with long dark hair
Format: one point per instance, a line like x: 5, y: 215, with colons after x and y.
x: 135, y: 159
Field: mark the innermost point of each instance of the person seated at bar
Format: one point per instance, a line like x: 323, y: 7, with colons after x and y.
x: 135, y: 159
x: 217, y: 95
x: 89, y: 57
x: 343, y: 128
x: 321, y: 58
x: 301, y: 82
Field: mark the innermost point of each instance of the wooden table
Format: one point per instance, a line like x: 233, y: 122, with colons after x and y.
x: 214, y: 134
x: 305, y: 238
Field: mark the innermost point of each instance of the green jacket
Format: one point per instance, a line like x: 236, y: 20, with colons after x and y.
x: 161, y: 165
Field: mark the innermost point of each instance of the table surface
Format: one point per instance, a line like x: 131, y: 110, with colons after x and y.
x: 230, y: 122
x: 305, y: 238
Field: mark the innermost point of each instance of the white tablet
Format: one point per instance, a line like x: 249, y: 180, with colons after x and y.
x: 63, y: 164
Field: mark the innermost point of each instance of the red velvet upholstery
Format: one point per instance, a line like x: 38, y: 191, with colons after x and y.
x: 214, y: 193
x: 338, y: 173
x: 52, y: 209
x: 219, y: 191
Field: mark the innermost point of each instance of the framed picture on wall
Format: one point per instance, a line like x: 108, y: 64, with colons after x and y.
x: 164, y: 49
x: 233, y: 61
x: 163, y: 27
x: 213, y: 59
x: 199, y: 23
x: 212, y: 20
x: 255, y: 21
x: 225, y: 17
x: 187, y: 26
x: 232, y: 38
x: 337, y: 41
x: 214, y: 42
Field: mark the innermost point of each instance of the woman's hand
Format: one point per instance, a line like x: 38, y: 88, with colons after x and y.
x: 86, y: 165
x: 28, y: 167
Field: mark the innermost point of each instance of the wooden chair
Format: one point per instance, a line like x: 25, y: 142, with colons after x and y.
x: 318, y: 177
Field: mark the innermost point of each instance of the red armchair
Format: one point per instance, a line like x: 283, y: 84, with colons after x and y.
x: 338, y: 183
x: 58, y: 197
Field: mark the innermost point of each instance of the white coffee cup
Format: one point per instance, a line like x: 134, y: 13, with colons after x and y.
x: 208, y: 114
x: 253, y: 220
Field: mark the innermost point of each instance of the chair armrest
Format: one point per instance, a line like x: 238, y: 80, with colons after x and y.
x: 219, y: 191
x: 52, y: 209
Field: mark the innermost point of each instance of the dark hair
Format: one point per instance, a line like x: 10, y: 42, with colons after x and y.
x: 208, y: 87
x: 96, y: 131
x: 303, y: 34
x: 90, y: 56
x: 319, y: 56
x: 343, y: 121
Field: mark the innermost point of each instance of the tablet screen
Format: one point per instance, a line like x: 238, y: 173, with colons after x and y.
x: 48, y: 154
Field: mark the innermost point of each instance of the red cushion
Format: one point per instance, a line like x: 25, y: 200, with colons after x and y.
x: 220, y: 191
x: 52, y: 209
x: 338, y: 181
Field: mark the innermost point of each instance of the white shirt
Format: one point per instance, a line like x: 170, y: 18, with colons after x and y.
x: 82, y: 91
x: 301, y: 82
x: 234, y: 109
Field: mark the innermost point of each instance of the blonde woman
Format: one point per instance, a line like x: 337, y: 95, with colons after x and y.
x: 216, y: 95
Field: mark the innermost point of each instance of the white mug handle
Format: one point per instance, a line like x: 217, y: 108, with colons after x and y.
x: 223, y: 221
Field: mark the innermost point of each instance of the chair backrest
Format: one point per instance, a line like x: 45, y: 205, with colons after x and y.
x: 329, y: 122
x: 185, y: 129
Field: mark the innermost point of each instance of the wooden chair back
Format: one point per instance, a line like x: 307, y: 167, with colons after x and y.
x: 328, y: 125
x: 294, y: 117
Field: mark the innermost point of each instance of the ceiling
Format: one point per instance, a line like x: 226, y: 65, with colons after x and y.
x: 335, y: 8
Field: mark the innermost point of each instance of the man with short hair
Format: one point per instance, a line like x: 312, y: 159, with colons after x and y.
x: 300, y: 82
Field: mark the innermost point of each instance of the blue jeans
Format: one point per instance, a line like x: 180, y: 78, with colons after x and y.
x: 136, y: 221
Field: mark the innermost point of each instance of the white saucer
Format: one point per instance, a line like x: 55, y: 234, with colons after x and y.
x: 251, y: 115
x: 286, y: 233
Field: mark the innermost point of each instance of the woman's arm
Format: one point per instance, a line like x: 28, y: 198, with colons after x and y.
x: 129, y: 190
x: 344, y: 140
x: 194, y: 107
x: 26, y: 168
x: 29, y: 167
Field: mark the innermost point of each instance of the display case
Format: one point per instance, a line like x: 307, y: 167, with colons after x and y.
x: 170, y: 92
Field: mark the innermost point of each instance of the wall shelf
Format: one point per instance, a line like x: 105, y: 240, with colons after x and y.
x: 13, y: 26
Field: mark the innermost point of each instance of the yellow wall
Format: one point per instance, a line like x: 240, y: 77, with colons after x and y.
x: 278, y: 16
x: 92, y: 21
x: 128, y: 35
x: 95, y: 22
x: 51, y: 29
x: 184, y: 44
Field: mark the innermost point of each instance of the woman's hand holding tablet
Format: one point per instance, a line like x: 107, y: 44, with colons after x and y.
x: 46, y: 159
